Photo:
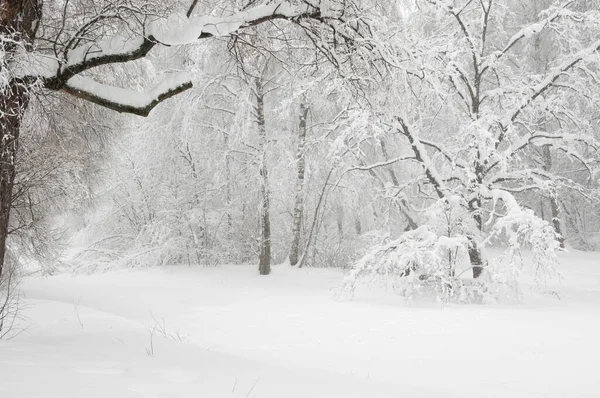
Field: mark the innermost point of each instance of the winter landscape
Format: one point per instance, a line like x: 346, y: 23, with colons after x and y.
x: 299, y: 198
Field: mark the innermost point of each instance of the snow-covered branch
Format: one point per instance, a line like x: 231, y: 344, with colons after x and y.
x: 528, y: 32
x: 559, y: 141
x: 179, y: 30
x: 123, y: 100
x: 379, y: 164
x: 63, y: 74
x: 549, y: 81
x: 422, y: 157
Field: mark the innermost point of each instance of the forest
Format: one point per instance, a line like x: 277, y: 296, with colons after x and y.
x: 311, y: 198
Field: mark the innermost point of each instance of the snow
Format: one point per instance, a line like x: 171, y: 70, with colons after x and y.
x: 243, y: 335
x: 531, y: 30
x: 35, y: 64
x: 116, y: 45
x: 124, y: 96
x: 177, y: 29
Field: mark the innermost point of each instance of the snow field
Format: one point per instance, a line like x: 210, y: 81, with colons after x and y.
x: 228, y: 332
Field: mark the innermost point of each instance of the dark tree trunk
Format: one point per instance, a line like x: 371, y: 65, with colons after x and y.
x: 476, y: 258
x: 475, y: 255
x: 299, y: 200
x: 13, y: 102
x: 556, y: 220
x: 18, y: 24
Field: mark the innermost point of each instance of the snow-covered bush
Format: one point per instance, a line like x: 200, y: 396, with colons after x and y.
x: 418, y: 261
x: 434, y: 258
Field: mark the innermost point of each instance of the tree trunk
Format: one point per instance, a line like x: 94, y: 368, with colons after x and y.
x: 13, y: 102
x: 228, y: 182
x: 553, y: 199
x: 264, y: 264
x: 556, y: 220
x: 476, y: 258
x: 18, y: 25
x: 299, y: 191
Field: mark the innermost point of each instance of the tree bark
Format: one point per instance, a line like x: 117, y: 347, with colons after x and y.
x: 299, y: 191
x: 556, y: 220
x: 13, y: 103
x: 264, y: 264
x: 554, y: 208
x: 19, y: 20
x: 476, y: 258
x: 228, y: 182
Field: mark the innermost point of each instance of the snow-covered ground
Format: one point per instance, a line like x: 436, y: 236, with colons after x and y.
x: 228, y: 332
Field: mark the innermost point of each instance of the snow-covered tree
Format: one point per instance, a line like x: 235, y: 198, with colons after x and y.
x: 462, y: 94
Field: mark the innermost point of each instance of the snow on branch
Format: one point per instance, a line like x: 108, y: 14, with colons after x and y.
x: 379, y: 164
x: 422, y: 157
x: 91, y: 55
x: 63, y: 74
x: 124, y: 100
x: 529, y: 31
x: 549, y: 81
x: 178, y: 29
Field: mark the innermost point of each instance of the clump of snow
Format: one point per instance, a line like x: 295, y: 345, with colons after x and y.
x: 534, y: 29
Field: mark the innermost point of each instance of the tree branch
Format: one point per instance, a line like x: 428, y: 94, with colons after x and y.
x: 62, y: 74
x: 123, y: 100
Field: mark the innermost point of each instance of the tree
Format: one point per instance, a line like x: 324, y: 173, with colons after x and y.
x: 472, y: 113
x: 56, y: 47
x: 298, y: 209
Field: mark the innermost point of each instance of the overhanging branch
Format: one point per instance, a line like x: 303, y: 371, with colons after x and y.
x: 123, y: 100
x: 64, y: 74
